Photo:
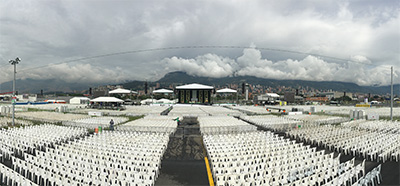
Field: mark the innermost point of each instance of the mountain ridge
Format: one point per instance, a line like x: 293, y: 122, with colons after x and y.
x: 179, y: 78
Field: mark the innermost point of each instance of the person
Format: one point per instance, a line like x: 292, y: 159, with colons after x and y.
x: 112, y: 125
x: 177, y: 120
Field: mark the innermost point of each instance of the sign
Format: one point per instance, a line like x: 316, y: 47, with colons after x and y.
x: 14, y: 99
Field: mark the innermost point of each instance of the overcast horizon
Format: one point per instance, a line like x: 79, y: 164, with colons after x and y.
x: 274, y: 39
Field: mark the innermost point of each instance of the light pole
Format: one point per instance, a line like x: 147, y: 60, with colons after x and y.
x: 14, y: 62
x: 391, y: 94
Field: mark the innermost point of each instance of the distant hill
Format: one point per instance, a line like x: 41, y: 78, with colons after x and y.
x: 48, y: 85
x: 183, y: 78
x: 179, y: 78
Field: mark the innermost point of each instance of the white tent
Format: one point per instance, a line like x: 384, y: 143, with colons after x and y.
x: 226, y: 90
x: 194, y: 86
x: 122, y: 91
x: 274, y: 95
x: 161, y: 91
x: 148, y: 101
x: 79, y: 100
x: 167, y: 101
x: 107, y: 100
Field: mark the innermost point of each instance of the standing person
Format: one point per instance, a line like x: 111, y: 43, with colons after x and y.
x: 112, y: 125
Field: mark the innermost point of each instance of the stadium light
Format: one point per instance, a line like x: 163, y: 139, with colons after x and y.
x: 14, y: 99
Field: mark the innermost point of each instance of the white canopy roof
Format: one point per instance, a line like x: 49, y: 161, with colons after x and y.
x: 163, y: 91
x: 147, y: 101
x: 121, y: 91
x: 82, y: 98
x: 107, y: 99
x: 274, y: 95
x: 194, y: 86
x: 226, y: 90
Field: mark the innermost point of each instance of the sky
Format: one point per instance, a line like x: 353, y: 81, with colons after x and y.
x: 333, y: 40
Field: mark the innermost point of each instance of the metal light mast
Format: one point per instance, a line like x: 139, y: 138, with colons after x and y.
x: 14, y: 99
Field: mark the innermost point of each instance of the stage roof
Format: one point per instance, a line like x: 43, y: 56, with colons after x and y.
x: 194, y: 86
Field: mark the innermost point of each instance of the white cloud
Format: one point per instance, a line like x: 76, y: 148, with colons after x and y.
x: 76, y: 73
x: 310, y: 68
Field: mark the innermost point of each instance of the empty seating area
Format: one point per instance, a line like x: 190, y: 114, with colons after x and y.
x: 94, y: 122
x: 6, y: 121
x: 188, y: 110
x: 271, y: 122
x: 223, y: 124
x: 18, y: 141
x: 165, y: 124
x: 365, y: 143
x: 109, y: 158
x: 50, y: 117
x: 318, y: 119
x: 381, y: 126
x: 250, y: 110
x: 219, y: 111
x: 263, y: 158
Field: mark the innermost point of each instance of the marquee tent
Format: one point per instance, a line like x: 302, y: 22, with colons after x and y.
x: 226, y: 90
x: 79, y: 100
x: 107, y: 100
x: 163, y: 91
x: 122, y: 91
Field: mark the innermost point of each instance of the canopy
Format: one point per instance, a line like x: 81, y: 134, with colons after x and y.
x: 146, y: 101
x: 107, y: 99
x: 226, y: 90
x: 166, y: 91
x: 274, y: 95
x: 194, y: 86
x: 122, y: 91
x: 165, y: 101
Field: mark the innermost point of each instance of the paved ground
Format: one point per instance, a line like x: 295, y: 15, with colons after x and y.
x: 183, y: 162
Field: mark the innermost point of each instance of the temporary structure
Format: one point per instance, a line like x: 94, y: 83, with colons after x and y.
x: 194, y: 86
x: 194, y: 93
x: 226, y: 90
x: 79, y: 100
x: 122, y: 91
x: 163, y: 91
x: 107, y: 100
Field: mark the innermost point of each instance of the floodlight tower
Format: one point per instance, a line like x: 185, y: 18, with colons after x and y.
x: 14, y: 62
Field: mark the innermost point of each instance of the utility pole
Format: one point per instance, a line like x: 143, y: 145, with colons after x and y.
x: 14, y: 99
x: 391, y: 95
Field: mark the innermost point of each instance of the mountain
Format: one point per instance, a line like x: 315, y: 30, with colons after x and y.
x: 179, y: 78
x: 184, y: 78
x: 48, y: 85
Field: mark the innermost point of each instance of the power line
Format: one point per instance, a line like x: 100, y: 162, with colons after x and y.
x: 192, y: 47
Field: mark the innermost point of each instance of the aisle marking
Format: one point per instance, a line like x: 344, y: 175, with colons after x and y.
x: 210, y: 178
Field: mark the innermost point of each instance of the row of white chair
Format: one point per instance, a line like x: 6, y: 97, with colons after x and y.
x: 50, y: 117
x: 7, y: 121
x: 30, y: 138
x: 11, y: 177
x: 291, y: 163
x: 366, y: 143
x: 223, y: 124
x: 100, y: 159
x: 94, y: 122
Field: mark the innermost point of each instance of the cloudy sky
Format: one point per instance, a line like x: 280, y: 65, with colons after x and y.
x: 351, y: 41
